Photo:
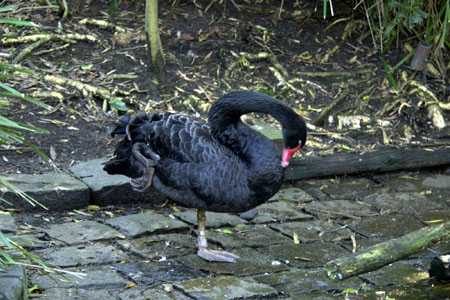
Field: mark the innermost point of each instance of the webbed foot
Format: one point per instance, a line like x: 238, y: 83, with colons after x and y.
x: 217, y: 255
x: 144, y: 159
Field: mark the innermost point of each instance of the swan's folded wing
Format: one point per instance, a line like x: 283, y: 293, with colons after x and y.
x: 180, y: 138
x: 219, y: 185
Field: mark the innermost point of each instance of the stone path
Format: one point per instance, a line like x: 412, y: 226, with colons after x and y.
x: 128, y: 249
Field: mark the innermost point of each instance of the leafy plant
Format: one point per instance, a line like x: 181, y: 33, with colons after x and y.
x: 391, y: 22
x: 12, y: 132
x: 392, y: 19
x: 12, y: 253
x: 14, y: 21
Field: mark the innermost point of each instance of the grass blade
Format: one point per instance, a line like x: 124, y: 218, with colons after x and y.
x: 17, y: 22
x: 15, y: 93
x: 8, y: 8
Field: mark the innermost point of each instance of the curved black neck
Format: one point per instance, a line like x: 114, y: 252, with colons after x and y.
x: 228, y: 110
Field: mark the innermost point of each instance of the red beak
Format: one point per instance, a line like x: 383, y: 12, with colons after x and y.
x: 287, y: 155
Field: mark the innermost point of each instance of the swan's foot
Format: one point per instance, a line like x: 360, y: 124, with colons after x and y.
x: 202, y: 243
x: 141, y: 184
x: 216, y: 255
x: 144, y: 159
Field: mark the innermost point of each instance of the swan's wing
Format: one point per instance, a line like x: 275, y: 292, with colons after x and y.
x: 173, y: 137
x: 176, y: 137
x: 194, y: 170
x: 219, y: 185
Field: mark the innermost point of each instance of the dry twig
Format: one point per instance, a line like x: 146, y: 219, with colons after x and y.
x: 7, y: 41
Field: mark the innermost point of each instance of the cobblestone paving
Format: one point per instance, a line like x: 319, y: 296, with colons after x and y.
x: 148, y: 253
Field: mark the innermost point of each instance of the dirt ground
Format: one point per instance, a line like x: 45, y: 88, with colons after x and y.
x: 211, y: 48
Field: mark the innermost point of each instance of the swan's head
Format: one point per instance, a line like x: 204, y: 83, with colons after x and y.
x: 294, y: 139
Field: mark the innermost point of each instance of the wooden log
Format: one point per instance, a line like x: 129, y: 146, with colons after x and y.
x: 386, y: 252
x: 378, y: 161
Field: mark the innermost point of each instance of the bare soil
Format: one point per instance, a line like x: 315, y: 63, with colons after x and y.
x: 203, y: 42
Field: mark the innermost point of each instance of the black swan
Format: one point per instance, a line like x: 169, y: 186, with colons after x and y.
x: 222, y: 165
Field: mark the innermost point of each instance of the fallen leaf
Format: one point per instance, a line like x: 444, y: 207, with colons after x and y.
x: 82, y: 213
x: 295, y: 238
x: 434, y: 221
x: 108, y: 213
x: 276, y: 263
x: 167, y: 287
x: 52, y: 153
x: 185, y: 36
x: 93, y: 208
x: 87, y: 67
x: 225, y: 230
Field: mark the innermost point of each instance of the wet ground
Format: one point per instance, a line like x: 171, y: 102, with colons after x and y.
x: 149, y: 253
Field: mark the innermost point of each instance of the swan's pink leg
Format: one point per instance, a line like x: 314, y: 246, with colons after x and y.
x: 203, y: 251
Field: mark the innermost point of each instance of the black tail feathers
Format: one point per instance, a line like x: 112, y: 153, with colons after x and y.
x: 132, y: 156
x: 128, y: 122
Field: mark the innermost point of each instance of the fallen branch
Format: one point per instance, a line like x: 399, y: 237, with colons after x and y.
x: 336, y: 74
x: 436, y: 116
x: 47, y: 36
x: 85, y: 88
x: 48, y: 94
x: 55, y: 49
x: 386, y: 252
x: 280, y: 72
x: 445, y: 106
x: 102, y: 24
x: 433, y: 105
x: 245, y: 56
x: 64, y: 8
x: 327, y: 110
x: 308, y: 82
x: 29, y: 49
x: 379, y: 161
x: 283, y: 81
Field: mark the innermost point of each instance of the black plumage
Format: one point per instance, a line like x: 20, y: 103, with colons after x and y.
x: 440, y: 268
x: 222, y: 165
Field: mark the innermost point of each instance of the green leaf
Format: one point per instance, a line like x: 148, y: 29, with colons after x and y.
x: 118, y: 104
x: 5, y: 241
x: 8, y: 135
x: 37, y: 150
x: 444, y: 33
x: 227, y: 231
x: 15, y: 93
x: 5, y: 122
x: 8, y: 8
x: 17, y: 22
x: 11, y: 90
x: 6, y: 258
x: 12, y: 188
x: 390, y: 75
x: 87, y: 67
